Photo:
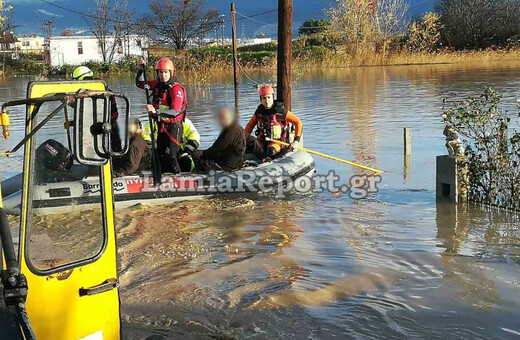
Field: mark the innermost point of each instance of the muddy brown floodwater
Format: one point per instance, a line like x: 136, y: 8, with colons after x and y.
x: 320, y: 265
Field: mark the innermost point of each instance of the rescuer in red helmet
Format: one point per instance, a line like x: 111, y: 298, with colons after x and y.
x: 272, y: 120
x: 177, y: 137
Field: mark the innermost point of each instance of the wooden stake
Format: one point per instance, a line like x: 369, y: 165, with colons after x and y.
x: 407, y: 137
x: 235, y: 55
x: 285, y: 30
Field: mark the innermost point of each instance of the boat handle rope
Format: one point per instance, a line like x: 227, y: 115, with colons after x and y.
x: 375, y: 171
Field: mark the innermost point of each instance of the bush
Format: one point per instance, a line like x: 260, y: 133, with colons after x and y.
x: 493, y: 156
x: 270, y: 46
x: 424, y: 35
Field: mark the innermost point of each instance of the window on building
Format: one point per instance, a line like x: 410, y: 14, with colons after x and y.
x: 120, y: 47
x: 80, y: 47
x: 26, y: 43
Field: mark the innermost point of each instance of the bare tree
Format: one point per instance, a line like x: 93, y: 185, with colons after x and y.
x: 389, y: 17
x: 478, y: 23
x: 6, y: 25
x: 178, y: 21
x: 353, y: 19
x: 111, y: 25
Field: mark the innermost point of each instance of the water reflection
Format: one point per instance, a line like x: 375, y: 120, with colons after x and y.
x: 395, y: 265
x: 469, y: 231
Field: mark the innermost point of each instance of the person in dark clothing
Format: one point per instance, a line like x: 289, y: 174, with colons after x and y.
x: 254, y: 146
x: 138, y: 156
x: 228, y: 151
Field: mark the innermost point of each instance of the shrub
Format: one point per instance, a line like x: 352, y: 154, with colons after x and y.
x: 493, y: 156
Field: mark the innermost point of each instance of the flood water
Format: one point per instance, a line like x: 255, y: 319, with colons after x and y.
x: 322, y: 265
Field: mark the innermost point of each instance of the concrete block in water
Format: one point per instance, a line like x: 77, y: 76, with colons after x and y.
x: 446, y: 182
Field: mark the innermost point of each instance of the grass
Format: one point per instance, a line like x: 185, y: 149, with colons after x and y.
x: 200, y: 63
x: 221, y: 58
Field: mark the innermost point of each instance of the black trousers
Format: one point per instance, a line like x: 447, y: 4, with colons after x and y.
x: 167, y: 149
x: 116, y: 136
x: 205, y: 165
x: 254, y: 146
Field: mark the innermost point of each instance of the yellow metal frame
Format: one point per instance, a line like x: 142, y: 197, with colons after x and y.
x: 55, y: 309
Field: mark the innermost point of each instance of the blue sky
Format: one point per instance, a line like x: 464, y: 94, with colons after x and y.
x: 29, y: 13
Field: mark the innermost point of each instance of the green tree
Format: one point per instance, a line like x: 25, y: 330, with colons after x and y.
x: 313, y: 26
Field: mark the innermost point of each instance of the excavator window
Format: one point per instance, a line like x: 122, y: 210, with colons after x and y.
x: 59, y: 233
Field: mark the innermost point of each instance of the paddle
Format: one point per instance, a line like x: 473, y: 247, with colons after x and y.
x: 156, y: 164
x: 376, y: 172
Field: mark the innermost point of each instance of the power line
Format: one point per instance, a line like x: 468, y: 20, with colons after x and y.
x: 250, y: 18
x: 88, y: 15
x: 419, y: 3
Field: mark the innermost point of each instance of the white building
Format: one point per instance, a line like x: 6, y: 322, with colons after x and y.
x: 77, y: 50
x: 256, y: 41
x: 33, y: 44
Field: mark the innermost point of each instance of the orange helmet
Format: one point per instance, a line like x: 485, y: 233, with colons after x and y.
x: 165, y: 64
x: 265, y: 90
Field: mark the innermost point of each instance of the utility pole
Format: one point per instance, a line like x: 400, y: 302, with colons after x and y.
x: 48, y: 28
x: 284, y: 81
x: 223, y: 20
x: 235, y: 54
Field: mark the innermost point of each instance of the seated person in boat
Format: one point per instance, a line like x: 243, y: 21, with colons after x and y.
x: 175, y: 134
x: 138, y: 156
x: 228, y: 151
x: 272, y: 120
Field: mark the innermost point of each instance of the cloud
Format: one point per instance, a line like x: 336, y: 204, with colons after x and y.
x: 44, y: 12
x: 16, y: 2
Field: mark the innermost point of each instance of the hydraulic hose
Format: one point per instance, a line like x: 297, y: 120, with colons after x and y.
x: 8, y: 245
x: 25, y: 324
x: 14, y: 278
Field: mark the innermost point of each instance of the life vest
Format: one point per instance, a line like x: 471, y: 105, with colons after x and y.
x: 161, y: 101
x: 271, y: 124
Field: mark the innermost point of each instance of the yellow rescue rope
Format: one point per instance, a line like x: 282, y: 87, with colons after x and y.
x: 329, y: 157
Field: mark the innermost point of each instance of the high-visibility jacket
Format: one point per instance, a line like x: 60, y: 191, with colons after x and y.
x: 190, y: 136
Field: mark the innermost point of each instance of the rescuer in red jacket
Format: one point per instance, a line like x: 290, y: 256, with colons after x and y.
x: 168, y: 105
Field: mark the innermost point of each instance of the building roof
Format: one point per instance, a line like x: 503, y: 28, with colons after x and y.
x: 84, y: 37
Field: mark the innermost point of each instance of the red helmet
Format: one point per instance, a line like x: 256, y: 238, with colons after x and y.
x: 265, y: 90
x: 165, y: 64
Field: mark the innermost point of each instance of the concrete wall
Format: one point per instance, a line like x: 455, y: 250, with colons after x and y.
x: 446, y: 182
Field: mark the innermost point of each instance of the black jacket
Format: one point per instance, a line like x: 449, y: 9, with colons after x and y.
x: 136, y: 159
x: 229, y: 149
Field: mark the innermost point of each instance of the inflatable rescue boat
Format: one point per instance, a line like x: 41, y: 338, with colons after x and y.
x: 279, y: 176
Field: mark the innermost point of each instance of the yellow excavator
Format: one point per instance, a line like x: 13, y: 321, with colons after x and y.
x: 59, y: 272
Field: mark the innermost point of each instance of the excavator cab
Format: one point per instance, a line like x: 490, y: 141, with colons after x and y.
x: 59, y: 273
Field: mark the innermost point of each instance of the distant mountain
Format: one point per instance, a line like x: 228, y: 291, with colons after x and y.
x: 28, y: 14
